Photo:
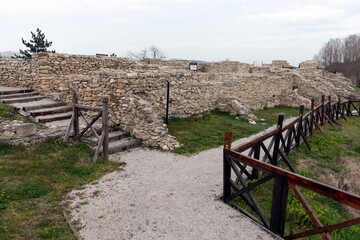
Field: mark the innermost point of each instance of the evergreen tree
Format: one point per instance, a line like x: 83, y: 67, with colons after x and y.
x: 37, y: 44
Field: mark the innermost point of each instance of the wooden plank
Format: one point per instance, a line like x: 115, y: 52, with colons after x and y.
x: 253, y: 142
x: 322, y: 109
x: 329, y: 121
x: 251, y: 186
x: 98, y: 147
x: 243, y: 169
x: 255, y: 172
x: 227, y: 141
x: 305, y: 140
x: 352, y: 103
x: 76, y: 117
x: 308, y: 209
x: 226, y: 169
x: 279, y: 204
x: 88, y: 108
x: 289, y: 125
x: 336, y: 194
x: 286, y: 161
x: 105, y: 127
x: 312, y: 117
x: 325, y: 229
x: 267, y: 153
x: 277, y: 140
x: 91, y: 123
x: 88, y: 124
x: 255, y: 205
x: 51, y: 105
x: 317, y: 126
x: 66, y: 137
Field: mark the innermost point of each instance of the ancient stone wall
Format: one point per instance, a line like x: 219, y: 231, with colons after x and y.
x: 137, y: 91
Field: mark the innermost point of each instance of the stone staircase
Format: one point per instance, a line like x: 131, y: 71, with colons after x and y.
x: 55, y: 114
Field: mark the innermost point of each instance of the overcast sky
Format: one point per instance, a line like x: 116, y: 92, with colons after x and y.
x: 187, y: 29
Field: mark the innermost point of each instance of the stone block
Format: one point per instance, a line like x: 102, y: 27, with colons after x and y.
x: 25, y: 129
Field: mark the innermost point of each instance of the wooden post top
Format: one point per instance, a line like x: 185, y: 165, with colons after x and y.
x: 322, y: 99
x: 312, y: 104
x: 301, y: 113
x: 227, y: 142
x: 280, y: 120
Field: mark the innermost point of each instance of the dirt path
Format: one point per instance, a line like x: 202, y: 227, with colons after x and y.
x: 160, y: 195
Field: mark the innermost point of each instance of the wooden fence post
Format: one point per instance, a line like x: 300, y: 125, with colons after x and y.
x: 312, y: 117
x: 226, y: 169
x: 338, y: 109
x: 278, y: 138
x: 105, y: 128
x: 76, y: 117
x: 279, y: 204
x: 330, y: 115
x: 255, y: 172
x: 322, y: 109
x: 300, y: 127
x: 348, y: 113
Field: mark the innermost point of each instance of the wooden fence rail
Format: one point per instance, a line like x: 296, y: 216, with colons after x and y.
x: 242, y: 165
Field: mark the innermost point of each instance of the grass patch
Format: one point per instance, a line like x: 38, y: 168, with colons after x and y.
x: 33, y: 183
x: 8, y: 112
x: 207, y: 131
x: 357, y: 89
x: 324, y: 159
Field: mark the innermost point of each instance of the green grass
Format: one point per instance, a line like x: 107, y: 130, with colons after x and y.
x: 357, y: 89
x: 33, y: 183
x: 8, y: 112
x: 207, y: 131
x: 327, y: 150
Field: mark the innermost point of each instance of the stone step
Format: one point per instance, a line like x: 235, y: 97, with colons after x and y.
x: 18, y: 95
x: 43, y: 105
x: 8, y: 90
x: 123, y: 145
x: 52, y: 118
x: 22, y: 100
x: 113, y: 136
x: 49, y: 111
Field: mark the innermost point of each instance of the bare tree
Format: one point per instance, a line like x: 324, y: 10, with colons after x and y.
x: 141, y: 55
x: 342, y: 55
x: 156, y: 52
x: 151, y: 52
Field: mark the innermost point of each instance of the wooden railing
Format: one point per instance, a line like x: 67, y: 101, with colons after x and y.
x: 242, y: 165
x: 103, y: 139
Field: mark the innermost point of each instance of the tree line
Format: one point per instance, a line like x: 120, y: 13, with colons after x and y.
x: 342, y: 55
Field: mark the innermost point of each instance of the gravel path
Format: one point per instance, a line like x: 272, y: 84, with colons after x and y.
x: 160, y: 195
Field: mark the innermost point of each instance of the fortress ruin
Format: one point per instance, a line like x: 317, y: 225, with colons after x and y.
x: 137, y: 90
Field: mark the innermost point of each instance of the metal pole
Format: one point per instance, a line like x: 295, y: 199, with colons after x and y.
x: 167, y: 102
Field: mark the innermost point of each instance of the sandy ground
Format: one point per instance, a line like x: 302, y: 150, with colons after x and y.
x: 160, y: 195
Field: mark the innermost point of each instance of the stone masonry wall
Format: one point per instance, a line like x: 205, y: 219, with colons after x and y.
x: 137, y: 91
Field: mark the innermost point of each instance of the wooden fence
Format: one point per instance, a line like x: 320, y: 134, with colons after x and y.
x: 103, y: 139
x: 242, y: 165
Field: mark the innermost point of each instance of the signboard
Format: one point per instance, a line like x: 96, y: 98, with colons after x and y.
x: 193, y: 66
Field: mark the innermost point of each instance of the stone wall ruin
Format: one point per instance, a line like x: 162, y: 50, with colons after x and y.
x: 137, y: 90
